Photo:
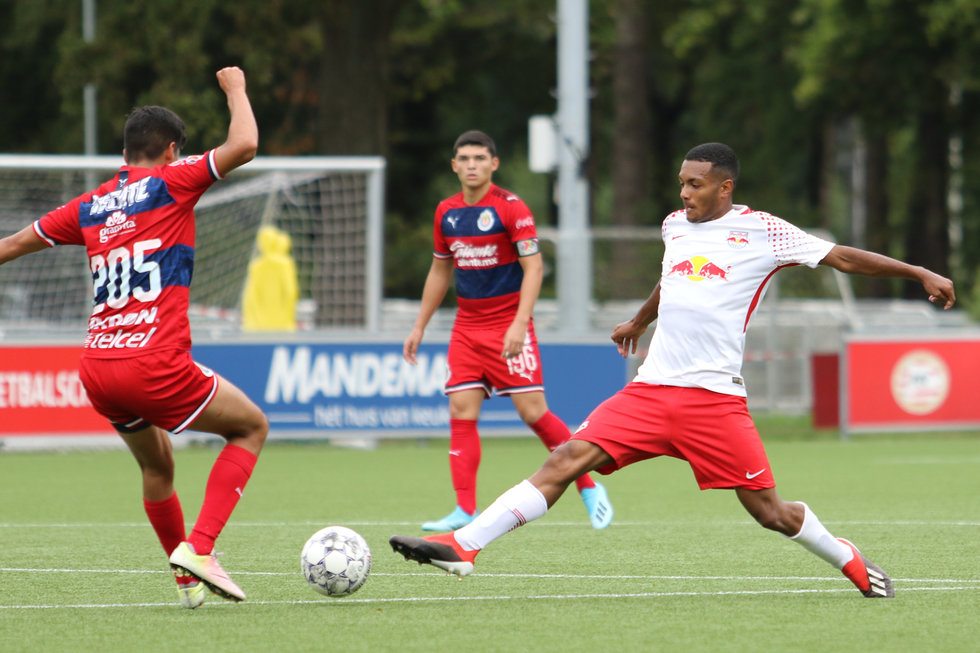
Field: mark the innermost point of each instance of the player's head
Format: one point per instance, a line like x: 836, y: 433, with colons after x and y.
x: 149, y: 132
x: 475, y: 137
x: 474, y: 161
x: 723, y: 160
x: 707, y: 178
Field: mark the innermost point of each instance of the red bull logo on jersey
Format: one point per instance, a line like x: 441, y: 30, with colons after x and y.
x: 699, y: 268
x: 738, y: 239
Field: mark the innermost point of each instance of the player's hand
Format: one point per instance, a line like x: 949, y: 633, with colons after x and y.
x: 940, y: 290
x: 513, y: 343
x: 231, y: 79
x: 626, y: 335
x: 411, y: 346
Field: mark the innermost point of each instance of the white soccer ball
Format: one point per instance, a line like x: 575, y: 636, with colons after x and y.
x: 336, y: 561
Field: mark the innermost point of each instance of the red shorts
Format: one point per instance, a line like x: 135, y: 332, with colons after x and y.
x: 166, y: 389
x: 712, y: 431
x: 475, y: 362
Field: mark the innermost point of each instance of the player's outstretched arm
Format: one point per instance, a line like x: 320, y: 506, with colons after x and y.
x: 858, y: 261
x: 627, y: 334
x: 23, y: 242
x: 243, y: 133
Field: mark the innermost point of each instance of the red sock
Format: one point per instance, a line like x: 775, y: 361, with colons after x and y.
x: 554, y: 433
x: 167, y: 519
x: 229, y: 475
x: 464, y: 461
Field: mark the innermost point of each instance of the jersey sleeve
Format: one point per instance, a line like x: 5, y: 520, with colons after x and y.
x: 520, y: 225
x: 440, y: 248
x: 193, y: 174
x: 61, y: 226
x: 790, y: 244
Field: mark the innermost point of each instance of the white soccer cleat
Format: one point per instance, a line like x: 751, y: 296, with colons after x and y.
x: 206, y: 569
x: 190, y: 590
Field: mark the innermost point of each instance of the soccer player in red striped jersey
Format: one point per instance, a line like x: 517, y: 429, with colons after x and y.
x: 486, y: 235
x: 136, y: 366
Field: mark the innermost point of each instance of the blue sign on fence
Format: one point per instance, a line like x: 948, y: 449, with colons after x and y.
x: 368, y: 387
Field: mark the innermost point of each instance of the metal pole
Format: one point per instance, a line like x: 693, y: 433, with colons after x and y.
x: 574, y: 251
x: 89, y: 92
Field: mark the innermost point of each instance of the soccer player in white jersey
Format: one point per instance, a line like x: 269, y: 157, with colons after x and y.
x: 688, y: 398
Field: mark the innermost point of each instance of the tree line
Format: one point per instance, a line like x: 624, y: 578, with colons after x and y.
x: 855, y: 116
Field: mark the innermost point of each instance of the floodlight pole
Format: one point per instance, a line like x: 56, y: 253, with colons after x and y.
x: 574, y: 247
x: 89, y: 92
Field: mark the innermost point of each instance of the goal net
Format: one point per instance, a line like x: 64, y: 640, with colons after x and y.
x: 330, y: 207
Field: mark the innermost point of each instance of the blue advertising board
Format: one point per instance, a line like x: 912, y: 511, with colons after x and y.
x: 332, y: 389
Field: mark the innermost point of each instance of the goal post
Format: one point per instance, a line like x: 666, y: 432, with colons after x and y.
x: 332, y: 209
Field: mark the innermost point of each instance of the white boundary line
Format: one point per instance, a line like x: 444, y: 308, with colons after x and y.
x: 431, y: 574
x: 954, y: 585
x: 533, y: 597
x: 538, y: 523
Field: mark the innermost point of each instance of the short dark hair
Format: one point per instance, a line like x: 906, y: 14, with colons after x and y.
x: 474, y: 137
x: 149, y: 130
x: 721, y: 157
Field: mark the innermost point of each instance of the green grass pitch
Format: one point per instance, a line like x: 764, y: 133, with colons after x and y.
x: 679, y: 569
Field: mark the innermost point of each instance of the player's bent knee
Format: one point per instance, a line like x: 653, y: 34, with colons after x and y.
x: 568, y: 461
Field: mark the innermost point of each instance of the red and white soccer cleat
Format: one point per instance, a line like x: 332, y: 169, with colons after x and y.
x: 441, y: 551
x: 870, y: 579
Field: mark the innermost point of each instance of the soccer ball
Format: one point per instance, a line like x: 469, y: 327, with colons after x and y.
x: 336, y: 561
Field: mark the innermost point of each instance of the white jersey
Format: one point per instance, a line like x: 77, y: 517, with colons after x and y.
x: 714, y: 277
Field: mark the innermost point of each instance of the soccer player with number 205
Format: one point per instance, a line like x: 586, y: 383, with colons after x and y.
x: 136, y: 366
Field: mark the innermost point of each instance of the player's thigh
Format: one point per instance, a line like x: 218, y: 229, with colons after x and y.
x: 151, y: 448
x: 231, y: 414
x: 466, y: 404
x: 531, y: 406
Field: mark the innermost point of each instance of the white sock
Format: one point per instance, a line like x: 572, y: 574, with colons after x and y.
x: 816, y: 539
x: 515, y: 507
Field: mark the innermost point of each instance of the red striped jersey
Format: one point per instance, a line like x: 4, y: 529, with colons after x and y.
x: 138, y: 230
x: 485, y: 241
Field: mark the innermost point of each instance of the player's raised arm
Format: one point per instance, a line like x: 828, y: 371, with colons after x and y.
x: 858, y: 261
x: 243, y: 133
x: 23, y: 242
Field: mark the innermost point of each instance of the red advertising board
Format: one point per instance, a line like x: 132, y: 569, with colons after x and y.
x: 40, y: 392
x: 908, y: 383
